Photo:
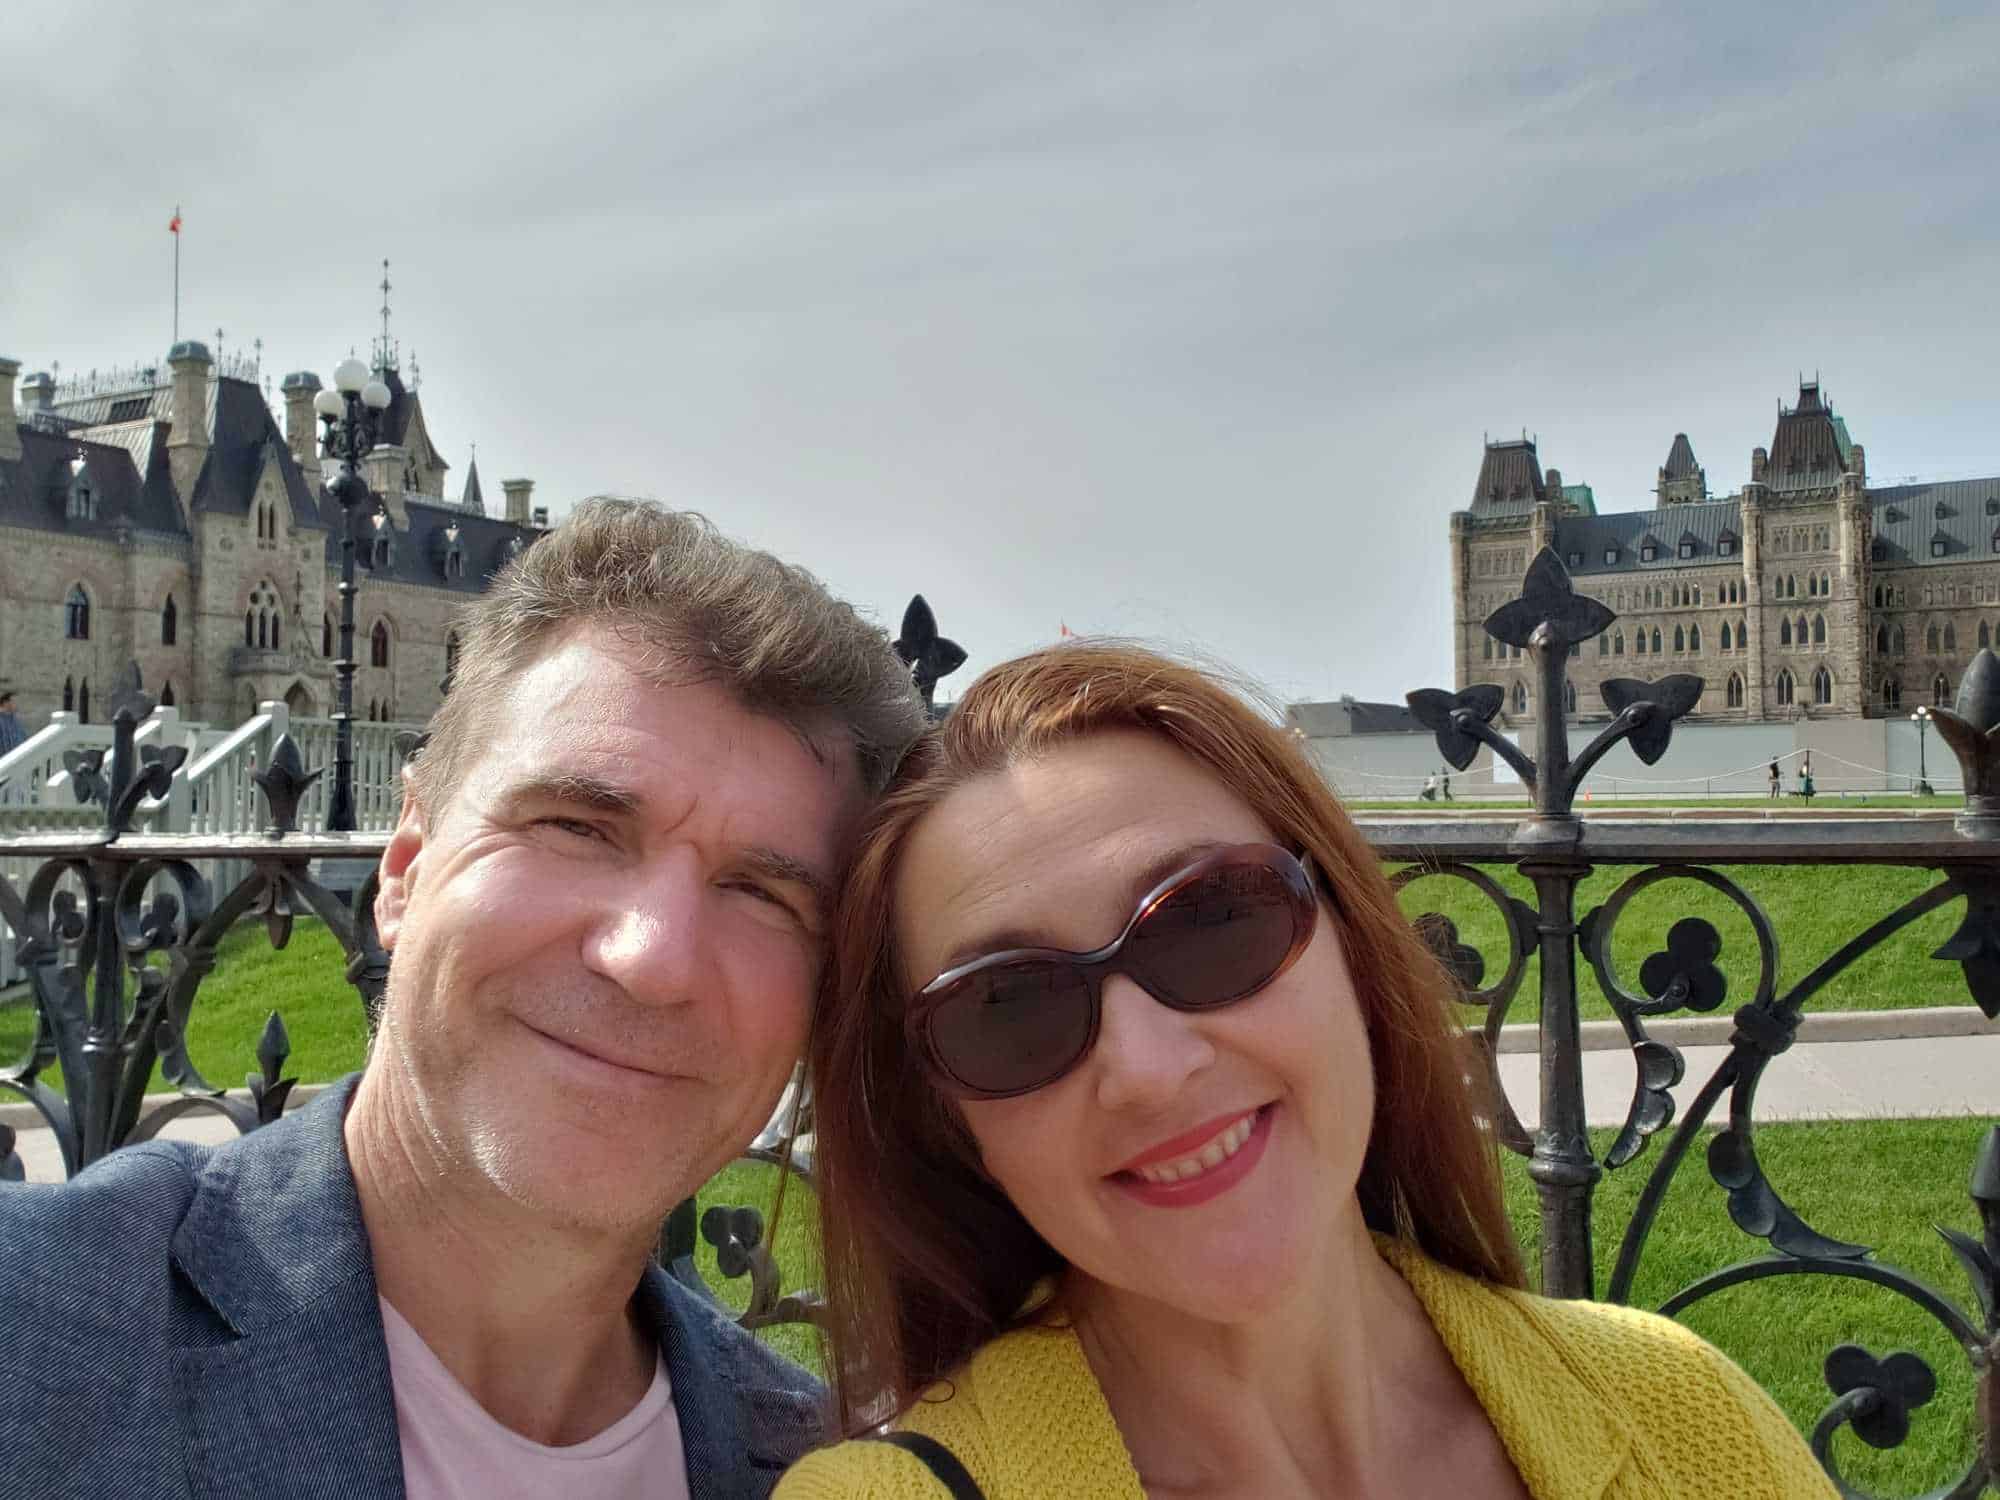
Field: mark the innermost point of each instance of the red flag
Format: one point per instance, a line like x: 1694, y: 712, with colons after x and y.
x: 1066, y: 634
x: 174, y: 227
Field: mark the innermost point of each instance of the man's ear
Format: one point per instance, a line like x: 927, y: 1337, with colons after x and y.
x: 399, y: 868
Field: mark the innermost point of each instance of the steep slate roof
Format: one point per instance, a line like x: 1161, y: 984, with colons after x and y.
x: 418, y: 557
x: 1680, y: 458
x: 1811, y: 448
x: 1510, y: 480
x: 473, y: 500
x: 243, y: 439
x: 34, y: 490
x: 1590, y: 535
x: 1908, y: 517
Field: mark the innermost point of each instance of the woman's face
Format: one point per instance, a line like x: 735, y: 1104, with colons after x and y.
x: 1056, y: 853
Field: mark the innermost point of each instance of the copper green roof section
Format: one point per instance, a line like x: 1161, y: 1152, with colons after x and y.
x: 1580, y: 498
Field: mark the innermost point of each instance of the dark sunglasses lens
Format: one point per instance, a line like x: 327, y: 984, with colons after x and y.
x: 1005, y: 1030
x: 1216, y: 939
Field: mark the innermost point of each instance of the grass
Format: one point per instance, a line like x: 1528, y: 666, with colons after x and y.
x: 1879, y: 1183
x: 1813, y: 908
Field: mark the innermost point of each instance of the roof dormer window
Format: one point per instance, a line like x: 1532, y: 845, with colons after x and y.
x: 1648, y: 552
x: 1576, y: 559
x: 1610, y: 554
x: 1687, y: 547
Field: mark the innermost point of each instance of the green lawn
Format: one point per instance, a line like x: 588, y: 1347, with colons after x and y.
x: 1814, y: 909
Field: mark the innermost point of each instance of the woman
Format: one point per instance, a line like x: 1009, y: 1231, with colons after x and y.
x: 1147, y: 1158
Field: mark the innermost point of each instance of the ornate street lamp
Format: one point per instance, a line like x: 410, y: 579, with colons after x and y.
x: 1922, y: 718
x: 352, y: 411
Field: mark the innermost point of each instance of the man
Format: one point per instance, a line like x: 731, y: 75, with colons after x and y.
x: 605, y: 904
x: 1774, y: 776
x: 12, y: 733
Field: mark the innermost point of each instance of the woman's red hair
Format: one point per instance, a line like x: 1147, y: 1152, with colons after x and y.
x: 924, y: 1258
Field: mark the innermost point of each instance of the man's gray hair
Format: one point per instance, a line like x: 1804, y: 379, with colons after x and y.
x: 704, y: 608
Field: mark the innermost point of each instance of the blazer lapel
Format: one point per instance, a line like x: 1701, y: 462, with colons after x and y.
x: 295, y: 1398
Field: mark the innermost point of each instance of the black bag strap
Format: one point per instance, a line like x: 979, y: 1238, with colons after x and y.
x: 939, y: 1459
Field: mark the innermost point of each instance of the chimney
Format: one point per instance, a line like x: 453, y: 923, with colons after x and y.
x: 1760, y: 460
x: 187, y: 448
x: 10, y: 433
x: 518, y: 491
x: 38, y: 392
x: 301, y: 425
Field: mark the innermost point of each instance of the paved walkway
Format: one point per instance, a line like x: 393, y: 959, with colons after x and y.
x: 1901, y: 1078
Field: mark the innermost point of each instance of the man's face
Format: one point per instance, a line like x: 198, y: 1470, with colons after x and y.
x: 605, y: 943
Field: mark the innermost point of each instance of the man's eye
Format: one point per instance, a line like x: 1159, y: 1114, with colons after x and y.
x: 572, y: 826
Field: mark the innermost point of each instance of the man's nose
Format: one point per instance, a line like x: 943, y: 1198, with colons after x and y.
x: 644, y: 929
x: 1145, y: 1052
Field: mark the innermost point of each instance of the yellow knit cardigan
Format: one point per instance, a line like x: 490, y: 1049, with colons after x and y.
x: 1592, y: 1402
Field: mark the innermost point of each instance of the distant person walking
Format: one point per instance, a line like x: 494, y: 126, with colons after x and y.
x: 12, y: 733
x: 1775, y: 785
x: 1430, y: 791
x: 1444, y: 782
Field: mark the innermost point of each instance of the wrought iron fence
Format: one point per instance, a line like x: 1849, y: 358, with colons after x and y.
x: 119, y: 930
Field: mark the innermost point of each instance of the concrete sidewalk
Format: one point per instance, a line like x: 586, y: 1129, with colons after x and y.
x: 1895, y: 1078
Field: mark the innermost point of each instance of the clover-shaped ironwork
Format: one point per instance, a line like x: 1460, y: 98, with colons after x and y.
x: 1976, y: 943
x: 1684, y: 975
x: 1465, y: 963
x: 1891, y: 1388
x: 1651, y: 708
x: 1549, y: 612
x: 284, y: 782
x: 87, y: 778
x: 929, y: 656
x: 1458, y: 720
x: 1971, y: 727
x: 269, y: 1090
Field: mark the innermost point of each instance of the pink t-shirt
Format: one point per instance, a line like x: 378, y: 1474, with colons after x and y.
x: 452, y: 1450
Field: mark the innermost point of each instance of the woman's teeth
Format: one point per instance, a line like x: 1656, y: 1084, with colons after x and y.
x: 1219, y: 1149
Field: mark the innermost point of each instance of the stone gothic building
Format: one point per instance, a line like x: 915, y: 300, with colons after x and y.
x: 160, y: 515
x: 1808, y: 592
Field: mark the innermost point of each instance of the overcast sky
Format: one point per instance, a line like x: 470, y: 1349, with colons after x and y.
x: 1165, y: 319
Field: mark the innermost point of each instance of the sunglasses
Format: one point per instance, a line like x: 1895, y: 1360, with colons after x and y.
x: 1212, y: 934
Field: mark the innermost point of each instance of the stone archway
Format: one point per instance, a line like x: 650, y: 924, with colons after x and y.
x: 301, y: 702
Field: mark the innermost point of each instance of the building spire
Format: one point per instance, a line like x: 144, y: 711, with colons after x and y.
x: 385, y: 349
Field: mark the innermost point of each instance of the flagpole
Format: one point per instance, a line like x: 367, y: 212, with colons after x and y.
x: 177, y: 273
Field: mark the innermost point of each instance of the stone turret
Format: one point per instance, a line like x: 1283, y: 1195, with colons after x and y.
x: 187, y: 449
x: 518, y: 492
x: 301, y: 425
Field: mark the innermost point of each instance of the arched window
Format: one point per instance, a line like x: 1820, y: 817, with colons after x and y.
x: 1822, y: 686
x: 1680, y: 639
x: 326, y: 635
x: 1812, y: 587
x: 1617, y: 643
x: 1639, y: 641
x: 76, y: 614
x: 1725, y: 635
x: 1940, y: 691
x: 1799, y: 631
x: 1985, y: 636
x: 1520, y: 697
x: 169, y: 622
x: 1742, y: 634
x: 1898, y: 641
x: 1784, y: 632
x: 1603, y: 644
x: 1826, y: 585
x: 1697, y: 593
x: 1569, y: 697
x: 167, y: 694
x: 1656, y: 640
x: 1950, y: 636
x: 1784, y: 685
x: 1881, y: 640
x: 378, y: 645
x: 1694, y: 636
x: 83, y: 701
x: 1819, y: 630
x: 1486, y: 649
x: 69, y: 695
x: 1735, y: 691
x: 1878, y: 596
x: 1892, y: 693
x: 249, y: 628
x: 1931, y: 638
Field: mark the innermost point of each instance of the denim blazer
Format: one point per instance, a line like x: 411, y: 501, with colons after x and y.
x: 203, y: 1321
